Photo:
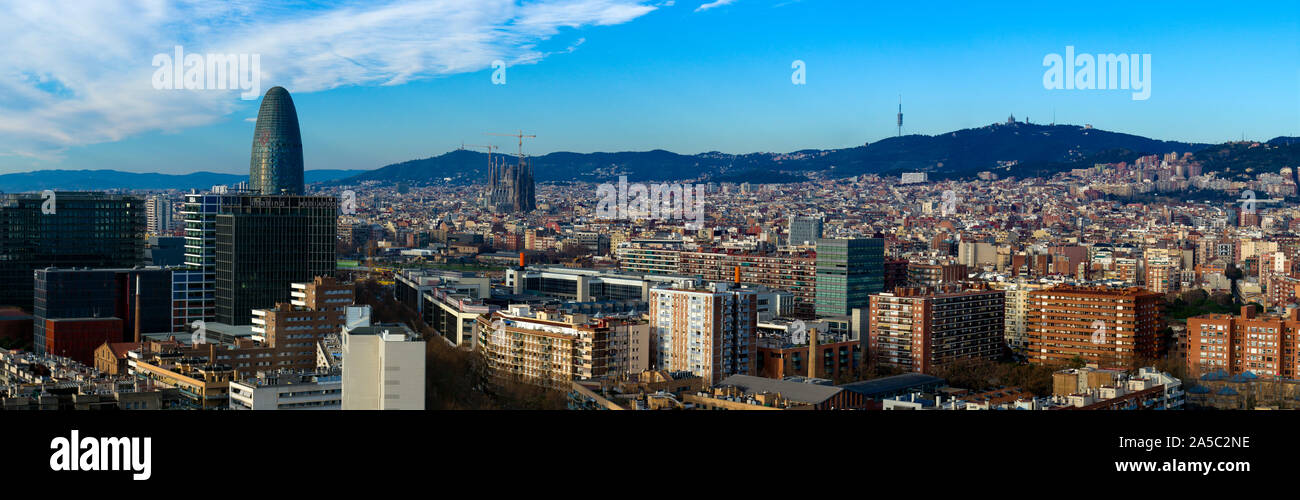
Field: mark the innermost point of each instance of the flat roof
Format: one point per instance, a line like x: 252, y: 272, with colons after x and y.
x: 891, y: 384
x: 794, y: 391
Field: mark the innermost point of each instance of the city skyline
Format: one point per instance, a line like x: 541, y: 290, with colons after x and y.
x: 725, y: 81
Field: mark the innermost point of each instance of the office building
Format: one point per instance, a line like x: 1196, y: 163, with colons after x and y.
x: 383, y: 368
x: 710, y: 332
x: 920, y: 329
x: 76, y: 310
x: 258, y: 246
x: 1105, y: 327
x: 275, y: 166
x: 75, y: 230
x: 848, y: 272
x: 586, y: 285
x: 804, y: 230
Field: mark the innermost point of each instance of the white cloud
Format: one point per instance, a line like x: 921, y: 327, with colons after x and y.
x: 77, y: 73
x: 714, y: 3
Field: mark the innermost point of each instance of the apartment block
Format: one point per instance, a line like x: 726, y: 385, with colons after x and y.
x: 707, y: 331
x: 552, y: 348
x: 793, y: 271
x: 1105, y: 327
x: 1261, y: 344
x: 920, y: 329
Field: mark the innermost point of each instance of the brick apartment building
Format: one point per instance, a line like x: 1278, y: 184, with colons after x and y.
x: 1108, y: 327
x: 1262, y: 344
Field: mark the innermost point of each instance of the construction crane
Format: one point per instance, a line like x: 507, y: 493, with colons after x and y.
x: 489, y: 149
x: 520, y: 136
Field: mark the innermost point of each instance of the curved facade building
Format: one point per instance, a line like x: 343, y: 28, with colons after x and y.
x: 276, y: 163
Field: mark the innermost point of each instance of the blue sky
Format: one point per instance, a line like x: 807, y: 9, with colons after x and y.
x: 382, y: 82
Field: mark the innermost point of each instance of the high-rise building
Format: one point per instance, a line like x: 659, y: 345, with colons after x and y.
x: 805, y: 230
x: 1108, y: 327
x: 848, y: 272
x: 266, y: 243
x: 710, y: 332
x: 249, y: 248
x: 86, y: 230
x: 920, y: 329
x: 383, y: 368
x: 158, y: 214
x: 1265, y: 345
x: 276, y: 166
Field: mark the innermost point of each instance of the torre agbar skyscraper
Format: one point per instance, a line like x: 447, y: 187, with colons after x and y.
x: 276, y: 164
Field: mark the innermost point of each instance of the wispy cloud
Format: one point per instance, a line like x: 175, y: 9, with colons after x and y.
x: 714, y: 3
x: 79, y: 73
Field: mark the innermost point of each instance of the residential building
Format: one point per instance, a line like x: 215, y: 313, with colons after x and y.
x: 1105, y: 327
x: 707, y: 331
x: 920, y: 329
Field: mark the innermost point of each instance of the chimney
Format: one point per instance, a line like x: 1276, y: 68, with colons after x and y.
x: 813, y: 359
x: 137, y: 308
x: 521, y: 260
x: 737, y: 279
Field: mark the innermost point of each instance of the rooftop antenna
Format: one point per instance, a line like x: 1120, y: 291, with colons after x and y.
x: 900, y: 115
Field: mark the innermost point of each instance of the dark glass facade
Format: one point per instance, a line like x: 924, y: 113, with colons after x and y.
x: 265, y: 243
x: 848, y: 272
x: 87, y: 230
x: 276, y: 163
x: 102, y: 293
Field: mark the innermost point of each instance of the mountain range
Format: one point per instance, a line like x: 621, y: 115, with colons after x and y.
x: 98, y: 180
x: 1008, y: 149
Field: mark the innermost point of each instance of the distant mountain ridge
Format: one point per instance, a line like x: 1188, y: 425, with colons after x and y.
x: 1008, y: 149
x: 73, y: 180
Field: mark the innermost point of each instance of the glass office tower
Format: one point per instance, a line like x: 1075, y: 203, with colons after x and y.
x: 848, y: 272
x: 87, y: 230
x: 276, y: 163
x: 265, y: 243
